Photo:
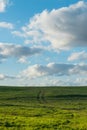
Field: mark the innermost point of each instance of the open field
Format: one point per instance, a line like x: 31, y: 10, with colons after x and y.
x: 43, y: 108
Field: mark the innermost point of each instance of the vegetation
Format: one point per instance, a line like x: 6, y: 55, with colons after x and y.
x: 43, y: 108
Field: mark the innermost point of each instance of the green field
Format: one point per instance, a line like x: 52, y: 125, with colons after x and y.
x: 43, y: 108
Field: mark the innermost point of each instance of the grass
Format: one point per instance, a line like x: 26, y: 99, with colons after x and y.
x: 46, y: 108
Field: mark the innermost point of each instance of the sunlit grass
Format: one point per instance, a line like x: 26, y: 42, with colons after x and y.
x: 59, y: 109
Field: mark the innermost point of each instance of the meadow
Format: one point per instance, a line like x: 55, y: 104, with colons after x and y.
x: 43, y: 108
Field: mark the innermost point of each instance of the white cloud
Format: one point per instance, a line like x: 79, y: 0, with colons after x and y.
x: 22, y: 60
x: 81, y: 81
x: 18, y: 51
x: 6, y: 25
x: 45, y: 81
x: 78, y: 56
x: 2, y: 58
x: 55, y: 81
x: 2, y: 77
x: 53, y: 69
x: 63, y: 28
x: 3, y: 5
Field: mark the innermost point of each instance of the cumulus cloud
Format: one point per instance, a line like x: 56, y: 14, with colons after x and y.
x: 47, y: 81
x: 18, y: 51
x: 2, y: 58
x: 78, y: 56
x: 63, y: 28
x: 3, y: 77
x: 3, y: 5
x: 6, y: 25
x: 54, y: 69
x: 81, y: 81
x: 22, y: 60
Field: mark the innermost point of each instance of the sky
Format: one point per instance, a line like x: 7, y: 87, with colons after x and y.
x: 43, y: 42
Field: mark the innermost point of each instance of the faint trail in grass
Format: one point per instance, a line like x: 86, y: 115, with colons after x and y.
x: 41, y: 97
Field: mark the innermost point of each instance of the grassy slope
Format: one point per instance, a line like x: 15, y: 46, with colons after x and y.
x: 62, y: 108
x: 32, y: 92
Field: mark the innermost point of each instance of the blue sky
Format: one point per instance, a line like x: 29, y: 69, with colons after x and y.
x: 43, y: 42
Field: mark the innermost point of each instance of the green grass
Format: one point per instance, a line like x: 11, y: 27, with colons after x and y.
x: 43, y: 108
